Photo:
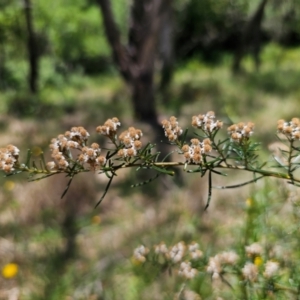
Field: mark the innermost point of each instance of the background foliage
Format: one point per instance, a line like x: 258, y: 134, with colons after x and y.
x: 64, y: 249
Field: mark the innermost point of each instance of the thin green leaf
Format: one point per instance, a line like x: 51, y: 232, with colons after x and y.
x: 164, y: 159
x: 162, y: 170
x: 43, y: 160
x: 11, y: 174
x: 199, y: 169
x: 105, y: 192
x: 39, y: 178
x: 183, y: 138
x: 219, y: 173
x: 41, y: 165
x: 209, y: 191
x: 145, y: 182
x: 238, y: 185
x: 262, y: 165
x: 143, y: 151
x: 34, y: 165
x: 29, y: 153
x: 280, y: 163
x: 67, y: 188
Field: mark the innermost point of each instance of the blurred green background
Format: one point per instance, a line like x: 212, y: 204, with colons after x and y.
x: 66, y: 63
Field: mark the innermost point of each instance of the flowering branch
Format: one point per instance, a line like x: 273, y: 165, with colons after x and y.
x: 71, y: 153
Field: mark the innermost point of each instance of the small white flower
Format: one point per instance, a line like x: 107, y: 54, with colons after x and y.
x: 271, y: 268
x: 140, y: 252
x: 254, y: 249
x: 214, y: 266
x: 187, y: 271
x: 176, y: 253
x: 194, y: 251
x: 250, y: 272
x: 161, y: 248
x: 229, y: 257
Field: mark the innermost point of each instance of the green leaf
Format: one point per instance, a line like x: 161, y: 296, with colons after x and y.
x: 67, y: 188
x: 183, y: 138
x: 29, y: 153
x: 162, y: 170
x: 39, y: 178
x: 105, y: 192
x: 209, y: 191
x: 145, y: 182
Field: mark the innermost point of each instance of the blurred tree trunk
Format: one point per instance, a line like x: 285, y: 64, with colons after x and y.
x: 166, y: 53
x: 136, y: 59
x: 250, y: 37
x: 31, y: 48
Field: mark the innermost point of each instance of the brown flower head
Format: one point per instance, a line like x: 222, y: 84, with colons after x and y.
x: 206, y: 122
x: 290, y: 129
x: 9, y: 158
x: 109, y: 128
x: 172, y: 130
x: 130, y: 139
x: 194, y: 153
x: 241, y: 131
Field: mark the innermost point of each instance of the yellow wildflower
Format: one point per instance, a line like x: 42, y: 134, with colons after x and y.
x: 10, y: 270
x: 249, y: 202
x: 258, y: 261
x: 9, y: 185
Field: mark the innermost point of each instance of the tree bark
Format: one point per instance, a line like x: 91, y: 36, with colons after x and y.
x: 251, y: 36
x: 136, y: 60
x: 166, y: 53
x: 31, y: 48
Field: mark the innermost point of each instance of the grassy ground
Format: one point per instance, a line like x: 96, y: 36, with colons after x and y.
x: 65, y: 249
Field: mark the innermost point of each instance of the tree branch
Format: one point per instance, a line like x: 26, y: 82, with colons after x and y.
x: 120, y: 53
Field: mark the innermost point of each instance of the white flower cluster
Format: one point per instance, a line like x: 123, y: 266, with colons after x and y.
x: 9, y: 158
x: 250, y: 272
x: 92, y: 156
x: 131, y: 141
x: 240, y: 131
x: 161, y: 248
x: 176, y: 252
x: 140, y: 253
x: 217, y: 263
x: 194, y: 251
x: 271, y: 268
x: 76, y: 138
x: 187, y: 271
x: 206, y: 122
x: 61, y: 146
x: 290, y: 129
x: 77, y: 134
x: 194, y: 152
x: 172, y: 130
x: 109, y: 128
x: 254, y: 249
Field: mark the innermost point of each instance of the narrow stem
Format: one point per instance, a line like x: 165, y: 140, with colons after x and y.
x: 212, y: 138
x: 224, y: 165
x: 245, y: 146
x: 290, y: 161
